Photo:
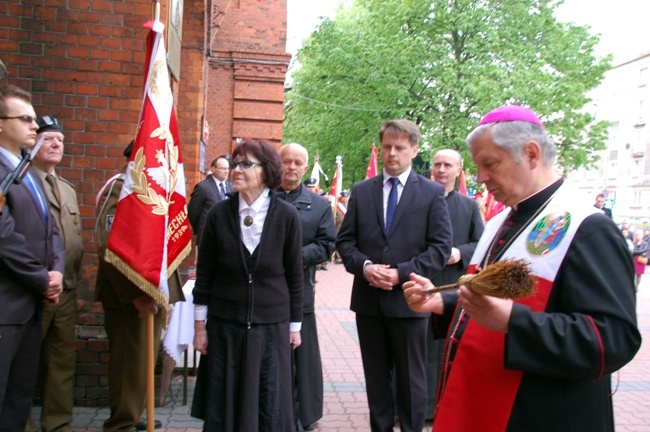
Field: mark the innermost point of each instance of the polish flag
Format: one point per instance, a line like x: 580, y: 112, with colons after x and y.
x: 337, y: 180
x: 151, y: 233
x: 371, y: 171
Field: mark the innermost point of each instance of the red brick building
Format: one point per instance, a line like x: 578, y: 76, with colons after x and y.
x: 83, y: 61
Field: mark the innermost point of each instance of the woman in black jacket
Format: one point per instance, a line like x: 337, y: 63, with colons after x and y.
x: 248, y: 300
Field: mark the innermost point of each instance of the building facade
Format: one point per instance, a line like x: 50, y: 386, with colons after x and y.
x: 83, y: 62
x: 623, y: 172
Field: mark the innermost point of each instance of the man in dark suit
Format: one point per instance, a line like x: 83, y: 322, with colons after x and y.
x: 209, y: 192
x: 600, y: 204
x: 467, y: 228
x: 396, y: 223
x: 32, y: 262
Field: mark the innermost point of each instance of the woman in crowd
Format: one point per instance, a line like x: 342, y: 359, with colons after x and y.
x: 640, y: 257
x: 248, y: 300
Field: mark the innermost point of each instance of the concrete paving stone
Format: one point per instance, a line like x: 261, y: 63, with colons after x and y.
x: 345, y: 405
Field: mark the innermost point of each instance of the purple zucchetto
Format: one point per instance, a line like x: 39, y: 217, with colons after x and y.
x: 510, y: 113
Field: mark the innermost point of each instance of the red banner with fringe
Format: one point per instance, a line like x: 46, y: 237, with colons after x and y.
x: 151, y: 233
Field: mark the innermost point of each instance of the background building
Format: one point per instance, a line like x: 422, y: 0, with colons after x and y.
x: 623, y: 172
x: 83, y: 61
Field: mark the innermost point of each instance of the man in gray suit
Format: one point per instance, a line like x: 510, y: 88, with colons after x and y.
x: 209, y: 192
x: 396, y: 223
x: 32, y: 262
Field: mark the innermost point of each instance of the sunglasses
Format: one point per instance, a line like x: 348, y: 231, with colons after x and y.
x: 244, y: 164
x: 24, y: 118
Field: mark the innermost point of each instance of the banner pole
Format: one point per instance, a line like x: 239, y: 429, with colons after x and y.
x: 151, y: 415
x: 156, y: 10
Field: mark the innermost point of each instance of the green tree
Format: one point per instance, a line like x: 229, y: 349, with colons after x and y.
x: 442, y: 64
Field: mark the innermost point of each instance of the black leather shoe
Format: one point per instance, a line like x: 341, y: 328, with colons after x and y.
x: 142, y: 424
x: 311, y: 426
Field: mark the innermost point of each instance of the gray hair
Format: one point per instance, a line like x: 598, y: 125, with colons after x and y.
x: 513, y: 136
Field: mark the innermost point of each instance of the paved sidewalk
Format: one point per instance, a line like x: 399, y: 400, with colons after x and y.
x: 345, y: 400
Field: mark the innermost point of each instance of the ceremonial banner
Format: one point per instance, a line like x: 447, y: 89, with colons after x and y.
x: 151, y: 233
x: 316, y: 172
x: 337, y: 181
x: 492, y: 207
x: 462, y: 183
x: 371, y: 171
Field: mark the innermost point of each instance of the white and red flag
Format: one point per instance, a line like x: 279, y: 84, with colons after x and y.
x: 151, y: 233
x: 316, y: 171
x: 371, y: 171
x: 462, y: 183
x: 337, y: 180
x: 492, y: 207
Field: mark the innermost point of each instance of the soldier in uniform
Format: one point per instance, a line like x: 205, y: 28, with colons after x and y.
x: 58, y: 346
x: 125, y: 307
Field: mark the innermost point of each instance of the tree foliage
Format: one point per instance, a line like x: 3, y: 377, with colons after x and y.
x: 442, y: 64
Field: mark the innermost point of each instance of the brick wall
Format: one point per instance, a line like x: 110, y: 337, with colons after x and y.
x: 247, y: 66
x: 83, y: 62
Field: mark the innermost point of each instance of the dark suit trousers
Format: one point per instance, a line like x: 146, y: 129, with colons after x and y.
x: 399, y: 345
x: 20, y: 346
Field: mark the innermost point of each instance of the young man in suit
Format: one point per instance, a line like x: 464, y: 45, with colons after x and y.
x: 32, y: 262
x: 396, y: 223
x: 209, y: 192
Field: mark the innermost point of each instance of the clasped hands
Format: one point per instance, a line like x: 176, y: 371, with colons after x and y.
x: 489, y: 312
x: 381, y: 276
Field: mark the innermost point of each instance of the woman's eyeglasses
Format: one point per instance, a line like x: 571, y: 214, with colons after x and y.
x: 244, y: 164
x: 24, y: 118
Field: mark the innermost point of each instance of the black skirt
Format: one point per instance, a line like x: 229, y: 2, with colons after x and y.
x: 244, y: 383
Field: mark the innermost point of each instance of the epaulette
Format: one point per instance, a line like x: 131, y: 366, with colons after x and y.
x: 67, y: 182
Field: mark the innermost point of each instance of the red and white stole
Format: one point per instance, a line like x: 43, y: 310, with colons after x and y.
x: 480, y: 392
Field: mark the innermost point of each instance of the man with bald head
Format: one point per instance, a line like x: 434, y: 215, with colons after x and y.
x: 542, y: 363
x: 318, y: 236
x: 467, y: 228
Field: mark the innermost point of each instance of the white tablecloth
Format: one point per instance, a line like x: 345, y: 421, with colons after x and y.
x: 180, y: 330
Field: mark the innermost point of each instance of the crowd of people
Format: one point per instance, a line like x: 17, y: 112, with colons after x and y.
x: 638, y: 241
x: 538, y: 363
